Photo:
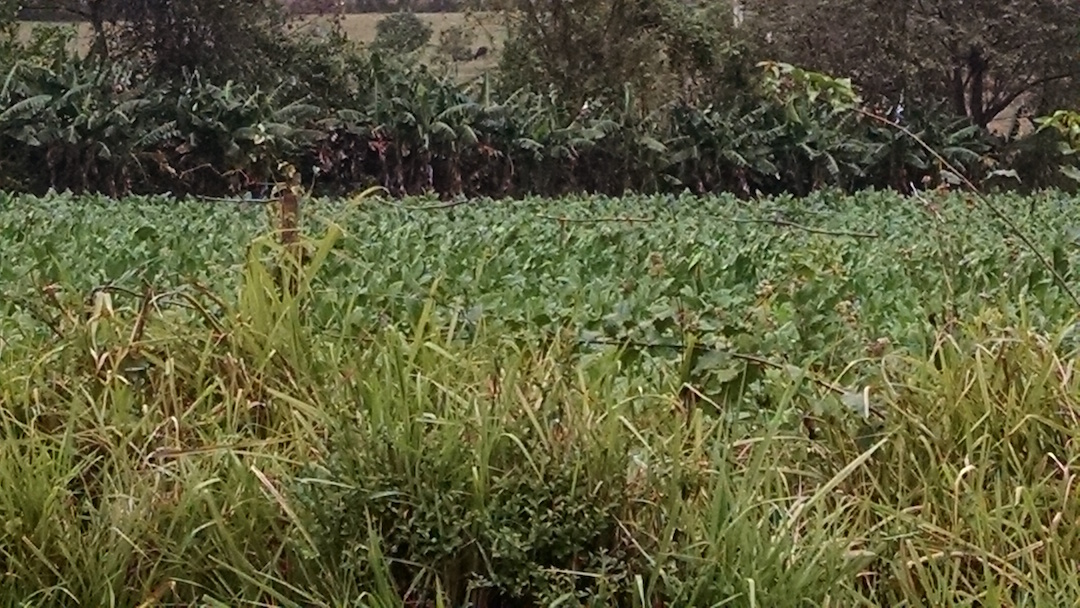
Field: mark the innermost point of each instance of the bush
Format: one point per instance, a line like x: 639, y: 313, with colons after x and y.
x: 1065, y: 125
x: 412, y: 131
x: 401, y: 32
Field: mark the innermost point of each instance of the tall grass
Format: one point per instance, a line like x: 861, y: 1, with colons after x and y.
x: 176, y: 449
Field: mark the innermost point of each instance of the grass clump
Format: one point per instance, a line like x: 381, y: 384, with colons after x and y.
x: 539, y: 482
x: 976, y: 484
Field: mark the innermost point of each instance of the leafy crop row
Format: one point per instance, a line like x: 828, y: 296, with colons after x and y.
x: 822, y: 281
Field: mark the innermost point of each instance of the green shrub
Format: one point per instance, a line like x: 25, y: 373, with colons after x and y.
x: 1066, y: 124
x: 401, y: 33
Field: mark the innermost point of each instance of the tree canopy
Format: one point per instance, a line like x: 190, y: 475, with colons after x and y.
x: 976, y: 57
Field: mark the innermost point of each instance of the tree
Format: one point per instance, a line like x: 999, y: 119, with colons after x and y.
x: 401, y: 32
x: 975, y: 57
x: 593, y: 48
x: 240, y: 39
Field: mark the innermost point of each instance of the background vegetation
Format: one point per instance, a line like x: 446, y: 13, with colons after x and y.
x: 660, y: 96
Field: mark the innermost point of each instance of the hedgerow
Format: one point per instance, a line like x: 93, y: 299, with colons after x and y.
x: 79, y: 124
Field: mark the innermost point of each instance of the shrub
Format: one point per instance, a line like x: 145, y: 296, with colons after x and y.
x: 402, y: 32
x: 357, y: 119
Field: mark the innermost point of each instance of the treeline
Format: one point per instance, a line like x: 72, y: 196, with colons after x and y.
x: 377, y: 6
x: 660, y: 97
x: 61, y: 12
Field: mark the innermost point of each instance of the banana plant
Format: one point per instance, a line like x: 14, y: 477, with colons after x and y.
x: 513, y: 138
x: 1066, y: 124
x: 817, y: 113
x: 90, y: 126
x: 243, y: 132
x: 901, y: 160
x: 721, y: 149
x: 619, y: 147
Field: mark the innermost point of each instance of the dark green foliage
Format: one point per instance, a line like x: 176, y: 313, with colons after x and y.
x: 401, y: 32
x: 223, y: 40
x: 242, y: 130
x: 98, y: 127
x: 349, y: 119
x: 80, y: 128
x: 517, y: 535
x: 412, y: 131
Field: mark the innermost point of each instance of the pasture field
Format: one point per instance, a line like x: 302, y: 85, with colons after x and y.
x: 645, y: 401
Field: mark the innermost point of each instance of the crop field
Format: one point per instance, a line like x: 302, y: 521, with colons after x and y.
x: 644, y: 401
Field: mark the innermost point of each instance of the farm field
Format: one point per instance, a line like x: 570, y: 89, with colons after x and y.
x: 645, y: 401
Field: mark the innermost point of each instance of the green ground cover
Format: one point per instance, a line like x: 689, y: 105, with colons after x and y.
x: 489, y: 403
